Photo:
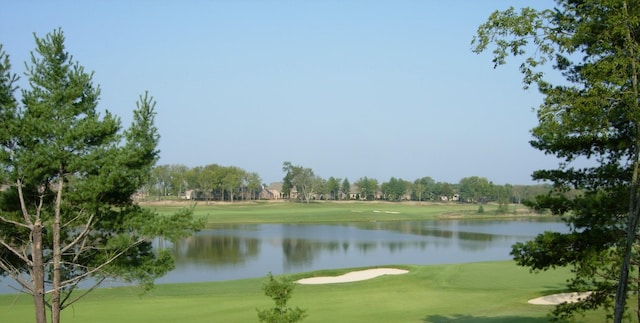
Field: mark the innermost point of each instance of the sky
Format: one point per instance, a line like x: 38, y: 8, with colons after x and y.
x: 347, y: 88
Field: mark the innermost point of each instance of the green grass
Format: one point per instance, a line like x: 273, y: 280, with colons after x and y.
x: 474, y: 292
x: 317, y: 212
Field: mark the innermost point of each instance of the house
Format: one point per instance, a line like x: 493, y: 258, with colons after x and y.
x: 271, y: 192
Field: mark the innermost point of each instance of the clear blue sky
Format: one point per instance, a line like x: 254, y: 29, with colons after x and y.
x: 347, y: 88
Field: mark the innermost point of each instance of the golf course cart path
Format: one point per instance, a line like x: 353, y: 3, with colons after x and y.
x: 559, y: 298
x: 352, y: 276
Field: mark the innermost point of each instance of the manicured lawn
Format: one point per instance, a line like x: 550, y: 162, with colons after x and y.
x: 474, y: 292
x: 293, y: 212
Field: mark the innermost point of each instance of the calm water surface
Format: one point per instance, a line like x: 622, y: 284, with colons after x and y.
x: 245, y: 251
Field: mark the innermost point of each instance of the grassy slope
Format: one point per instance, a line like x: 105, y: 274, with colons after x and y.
x: 475, y: 292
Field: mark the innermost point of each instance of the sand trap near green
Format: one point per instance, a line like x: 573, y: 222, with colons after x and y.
x: 352, y: 276
x: 556, y: 299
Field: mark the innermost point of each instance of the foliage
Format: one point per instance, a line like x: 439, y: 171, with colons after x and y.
x: 368, y: 187
x: 589, y: 119
x: 395, y: 189
x: 333, y: 187
x: 303, y: 180
x: 67, y: 213
x: 206, y: 183
x: 475, y: 189
x: 280, y: 290
x: 346, y: 188
x: 480, y: 209
x: 423, y: 189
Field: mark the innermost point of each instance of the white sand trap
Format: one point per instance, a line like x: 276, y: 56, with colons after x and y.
x: 352, y: 276
x: 559, y: 298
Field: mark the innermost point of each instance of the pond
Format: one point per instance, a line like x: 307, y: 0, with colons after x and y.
x: 245, y: 251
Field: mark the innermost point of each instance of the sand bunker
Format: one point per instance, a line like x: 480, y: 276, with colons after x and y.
x: 559, y: 298
x: 352, y: 276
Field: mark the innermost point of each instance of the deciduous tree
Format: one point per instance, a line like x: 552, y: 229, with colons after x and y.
x: 333, y: 187
x: 346, y: 188
x: 368, y: 187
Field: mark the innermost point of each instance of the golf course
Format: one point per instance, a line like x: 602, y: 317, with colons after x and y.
x: 495, y: 291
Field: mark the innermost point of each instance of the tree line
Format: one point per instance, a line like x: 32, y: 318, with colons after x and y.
x: 231, y: 183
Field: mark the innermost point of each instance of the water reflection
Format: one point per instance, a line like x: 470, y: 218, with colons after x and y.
x: 241, y: 251
x: 216, y: 250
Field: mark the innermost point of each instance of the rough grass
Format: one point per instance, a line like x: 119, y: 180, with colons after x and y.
x: 474, y: 292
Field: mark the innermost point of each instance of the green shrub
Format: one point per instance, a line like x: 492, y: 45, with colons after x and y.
x: 280, y: 291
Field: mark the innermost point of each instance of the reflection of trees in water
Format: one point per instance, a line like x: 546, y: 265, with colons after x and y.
x: 228, y: 249
x: 299, y: 251
x: 474, y: 241
x: 219, y: 250
x: 365, y: 247
x: 400, y: 245
x: 466, y: 240
x: 408, y: 227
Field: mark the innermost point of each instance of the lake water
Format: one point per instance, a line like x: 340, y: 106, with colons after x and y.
x: 245, y: 251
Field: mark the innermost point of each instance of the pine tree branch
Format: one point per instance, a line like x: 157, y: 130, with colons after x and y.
x: 15, y: 274
x: 18, y: 254
x: 16, y: 223
x: 80, y: 236
x: 23, y: 206
x: 92, y: 271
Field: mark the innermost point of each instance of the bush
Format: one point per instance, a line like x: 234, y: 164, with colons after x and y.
x: 280, y: 291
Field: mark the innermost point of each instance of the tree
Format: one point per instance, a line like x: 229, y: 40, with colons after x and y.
x: 333, y: 187
x: 253, y: 182
x: 423, y: 188
x: 231, y: 180
x: 287, y: 185
x: 68, y: 214
x: 303, y: 179
x: 395, y: 189
x: 474, y: 189
x: 177, y: 175
x: 161, y: 180
x: 443, y: 189
x: 305, y: 182
x: 208, y: 178
x: 346, y: 188
x: 280, y: 290
x: 592, y: 113
x: 368, y: 187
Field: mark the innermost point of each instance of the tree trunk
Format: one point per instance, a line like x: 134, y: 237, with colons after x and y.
x: 634, y: 199
x: 37, y: 273
x: 57, y: 258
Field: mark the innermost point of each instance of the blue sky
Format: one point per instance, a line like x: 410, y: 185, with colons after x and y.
x: 347, y: 88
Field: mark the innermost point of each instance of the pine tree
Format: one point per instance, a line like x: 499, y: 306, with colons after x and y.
x: 71, y: 173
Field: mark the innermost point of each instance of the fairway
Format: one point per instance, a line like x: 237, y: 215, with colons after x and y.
x: 474, y: 292
x: 330, y: 211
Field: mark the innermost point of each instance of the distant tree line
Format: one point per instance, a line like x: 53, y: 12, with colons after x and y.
x: 230, y: 183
